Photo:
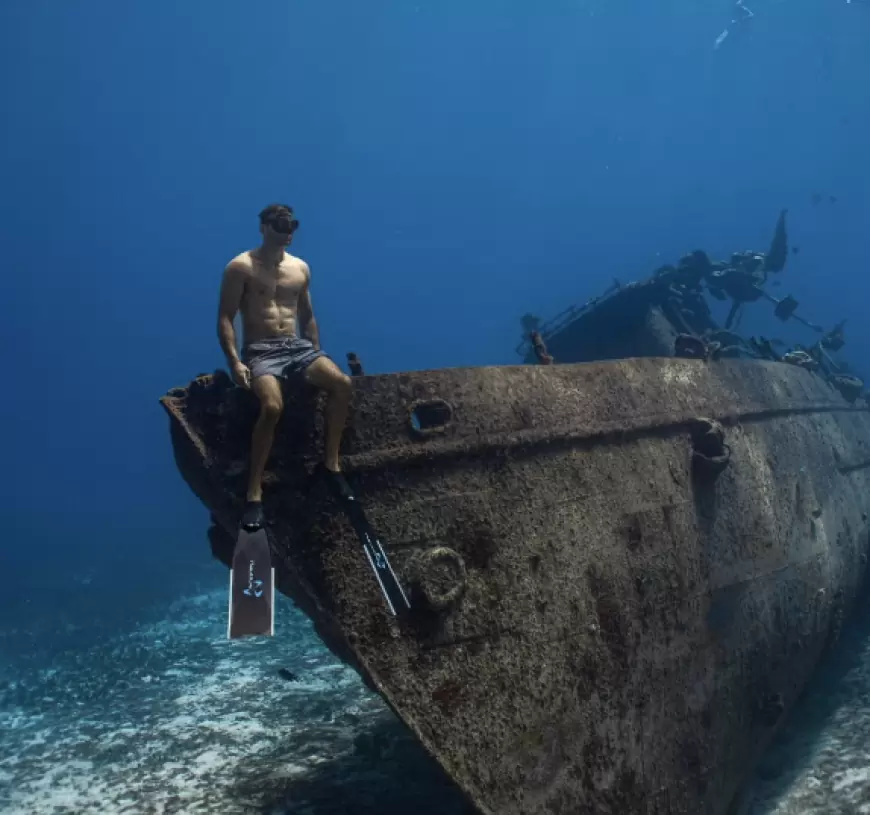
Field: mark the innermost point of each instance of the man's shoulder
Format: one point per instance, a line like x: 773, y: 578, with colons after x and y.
x: 297, y: 263
x: 241, y: 263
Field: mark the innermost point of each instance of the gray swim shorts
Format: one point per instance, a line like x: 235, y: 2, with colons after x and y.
x: 283, y: 357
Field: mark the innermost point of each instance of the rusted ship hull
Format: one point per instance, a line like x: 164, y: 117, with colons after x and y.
x: 608, y: 618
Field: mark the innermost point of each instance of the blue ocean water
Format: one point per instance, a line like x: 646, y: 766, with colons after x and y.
x: 454, y: 165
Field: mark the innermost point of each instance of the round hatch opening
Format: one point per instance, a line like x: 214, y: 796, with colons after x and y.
x: 430, y: 416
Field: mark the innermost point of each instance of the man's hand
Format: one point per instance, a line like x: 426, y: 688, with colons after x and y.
x: 241, y: 374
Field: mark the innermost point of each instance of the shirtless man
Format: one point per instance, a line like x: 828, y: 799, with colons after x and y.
x: 280, y: 342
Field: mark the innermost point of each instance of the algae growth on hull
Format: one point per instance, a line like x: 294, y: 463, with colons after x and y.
x: 639, y: 559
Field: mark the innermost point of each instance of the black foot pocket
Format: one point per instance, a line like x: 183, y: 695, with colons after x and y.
x: 338, y: 486
x: 253, y: 518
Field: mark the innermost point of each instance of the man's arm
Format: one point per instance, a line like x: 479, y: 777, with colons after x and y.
x: 232, y: 288
x: 305, y: 312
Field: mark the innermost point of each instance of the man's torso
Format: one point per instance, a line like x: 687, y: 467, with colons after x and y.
x: 270, y: 300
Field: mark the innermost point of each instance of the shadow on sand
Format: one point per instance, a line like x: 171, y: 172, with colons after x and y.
x: 387, y: 773
x: 843, y: 673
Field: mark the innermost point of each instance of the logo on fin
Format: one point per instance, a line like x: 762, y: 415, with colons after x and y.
x: 255, y: 587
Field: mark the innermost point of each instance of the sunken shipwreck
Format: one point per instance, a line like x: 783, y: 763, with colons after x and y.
x: 624, y: 556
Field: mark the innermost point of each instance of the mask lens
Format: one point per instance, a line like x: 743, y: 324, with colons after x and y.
x: 285, y: 226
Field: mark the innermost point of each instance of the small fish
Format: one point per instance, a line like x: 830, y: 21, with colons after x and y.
x: 287, y: 674
x: 796, y: 250
x: 816, y: 198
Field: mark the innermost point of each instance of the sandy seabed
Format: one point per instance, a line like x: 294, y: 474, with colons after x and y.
x: 174, y: 718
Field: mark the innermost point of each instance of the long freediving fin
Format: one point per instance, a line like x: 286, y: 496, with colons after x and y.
x: 252, y: 587
x: 391, y: 588
x: 394, y: 595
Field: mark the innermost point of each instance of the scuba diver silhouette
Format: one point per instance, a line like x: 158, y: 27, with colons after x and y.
x: 742, y: 15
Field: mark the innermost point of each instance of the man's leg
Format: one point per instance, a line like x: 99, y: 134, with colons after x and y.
x: 325, y: 374
x: 268, y: 391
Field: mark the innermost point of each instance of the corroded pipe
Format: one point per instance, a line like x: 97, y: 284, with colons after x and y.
x: 353, y: 362
x: 540, y: 347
